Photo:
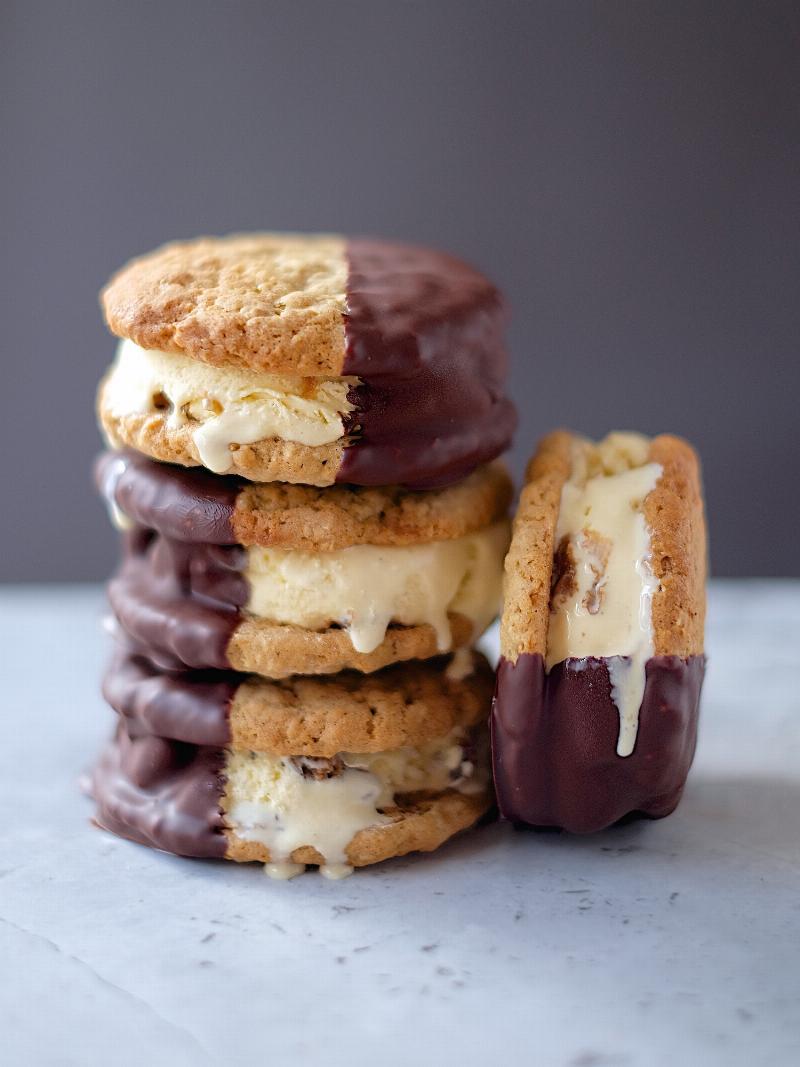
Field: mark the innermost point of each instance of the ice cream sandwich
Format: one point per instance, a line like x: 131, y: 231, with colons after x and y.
x: 311, y: 359
x: 339, y: 772
x: 283, y: 579
x: 602, y: 648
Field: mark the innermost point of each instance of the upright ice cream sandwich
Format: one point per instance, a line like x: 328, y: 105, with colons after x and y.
x: 595, y: 711
x: 309, y: 359
x: 282, y: 579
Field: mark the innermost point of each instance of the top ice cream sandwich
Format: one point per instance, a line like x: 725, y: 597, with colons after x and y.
x: 595, y: 711
x: 308, y: 358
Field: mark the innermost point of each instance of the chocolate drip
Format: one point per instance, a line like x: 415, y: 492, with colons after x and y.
x: 179, y: 602
x: 185, y: 504
x: 554, y: 739
x: 161, y: 793
x: 191, y: 706
x: 424, y: 333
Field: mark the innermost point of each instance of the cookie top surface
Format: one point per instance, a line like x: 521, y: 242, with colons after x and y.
x: 194, y: 506
x: 674, y: 513
x: 265, y: 301
x: 283, y: 302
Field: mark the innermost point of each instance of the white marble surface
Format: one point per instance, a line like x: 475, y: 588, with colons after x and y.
x: 671, y: 943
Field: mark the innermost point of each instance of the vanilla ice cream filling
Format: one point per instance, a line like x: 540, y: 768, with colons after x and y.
x: 602, y: 603
x: 364, y: 588
x: 287, y: 802
x: 223, y: 406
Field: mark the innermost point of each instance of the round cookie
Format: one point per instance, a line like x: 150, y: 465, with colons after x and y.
x: 195, y: 506
x: 308, y: 359
x: 598, y: 686
x: 319, y: 716
x: 308, y: 592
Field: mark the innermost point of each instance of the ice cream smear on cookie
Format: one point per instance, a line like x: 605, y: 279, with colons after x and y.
x: 222, y: 407
x: 364, y: 588
x: 291, y: 802
x: 603, y: 583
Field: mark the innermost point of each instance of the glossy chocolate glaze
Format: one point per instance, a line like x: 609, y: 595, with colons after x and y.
x: 424, y: 333
x: 191, y: 706
x: 179, y: 602
x: 161, y: 793
x: 554, y: 739
x: 185, y: 504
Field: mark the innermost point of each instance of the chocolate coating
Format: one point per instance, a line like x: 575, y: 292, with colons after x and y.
x: 179, y: 602
x: 554, y: 739
x: 424, y: 333
x: 161, y: 793
x: 185, y: 504
x: 191, y: 706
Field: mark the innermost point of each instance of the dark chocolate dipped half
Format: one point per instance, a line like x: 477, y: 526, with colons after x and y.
x: 180, y: 588
x: 554, y: 738
x: 555, y: 732
x: 185, y: 504
x: 190, y: 706
x: 161, y: 793
x: 424, y: 333
x: 179, y: 602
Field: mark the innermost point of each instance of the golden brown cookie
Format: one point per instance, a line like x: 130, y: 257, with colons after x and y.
x: 408, y: 704
x: 195, y: 506
x: 308, y: 359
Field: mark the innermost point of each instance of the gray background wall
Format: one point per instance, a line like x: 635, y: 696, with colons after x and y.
x: 628, y: 173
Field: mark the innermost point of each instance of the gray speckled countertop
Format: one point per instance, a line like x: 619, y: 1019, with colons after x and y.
x: 671, y: 943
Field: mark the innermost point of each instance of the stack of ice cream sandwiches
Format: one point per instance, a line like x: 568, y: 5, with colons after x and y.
x: 303, y: 433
